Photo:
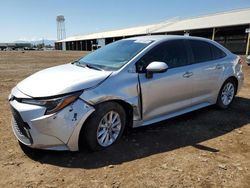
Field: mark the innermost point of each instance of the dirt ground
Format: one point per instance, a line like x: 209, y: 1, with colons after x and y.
x: 205, y: 148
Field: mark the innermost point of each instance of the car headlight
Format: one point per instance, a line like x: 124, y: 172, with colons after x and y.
x: 54, y: 104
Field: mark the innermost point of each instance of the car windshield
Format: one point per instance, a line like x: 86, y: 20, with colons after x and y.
x: 114, y: 55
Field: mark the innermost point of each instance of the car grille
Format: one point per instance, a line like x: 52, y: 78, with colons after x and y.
x: 20, y: 125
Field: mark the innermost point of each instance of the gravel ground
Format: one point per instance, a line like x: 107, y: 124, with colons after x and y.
x: 205, y: 148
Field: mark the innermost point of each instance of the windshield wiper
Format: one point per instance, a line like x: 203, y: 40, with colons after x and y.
x: 77, y: 63
x: 91, y: 66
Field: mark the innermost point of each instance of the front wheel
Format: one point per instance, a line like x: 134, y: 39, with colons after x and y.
x: 105, y: 126
x: 226, y: 94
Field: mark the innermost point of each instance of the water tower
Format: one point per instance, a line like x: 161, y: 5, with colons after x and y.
x: 61, y: 33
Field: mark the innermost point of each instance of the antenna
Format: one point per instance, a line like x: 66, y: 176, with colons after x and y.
x: 61, y: 33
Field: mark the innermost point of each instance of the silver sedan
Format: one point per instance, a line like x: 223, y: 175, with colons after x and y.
x: 132, y: 82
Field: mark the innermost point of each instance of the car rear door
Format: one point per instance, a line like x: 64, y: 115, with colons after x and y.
x: 207, y: 71
x: 166, y: 92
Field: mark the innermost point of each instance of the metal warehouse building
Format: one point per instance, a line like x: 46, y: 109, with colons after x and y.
x: 230, y: 29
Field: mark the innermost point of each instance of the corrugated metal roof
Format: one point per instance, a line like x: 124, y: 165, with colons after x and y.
x: 230, y: 18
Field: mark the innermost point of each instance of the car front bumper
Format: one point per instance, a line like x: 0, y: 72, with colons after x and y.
x: 58, y: 131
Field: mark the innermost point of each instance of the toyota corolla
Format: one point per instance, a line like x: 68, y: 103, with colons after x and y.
x: 132, y: 82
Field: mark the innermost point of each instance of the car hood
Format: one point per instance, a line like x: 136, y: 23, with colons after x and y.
x: 60, y: 80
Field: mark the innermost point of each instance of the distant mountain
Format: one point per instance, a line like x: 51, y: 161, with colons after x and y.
x: 36, y: 42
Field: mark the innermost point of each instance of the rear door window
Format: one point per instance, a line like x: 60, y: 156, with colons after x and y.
x: 201, y: 51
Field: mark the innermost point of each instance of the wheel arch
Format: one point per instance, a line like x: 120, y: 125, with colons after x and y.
x: 125, y: 105
x: 128, y: 108
x: 235, y: 80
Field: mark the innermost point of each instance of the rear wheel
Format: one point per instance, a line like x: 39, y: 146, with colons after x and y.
x: 226, y: 94
x: 105, y: 126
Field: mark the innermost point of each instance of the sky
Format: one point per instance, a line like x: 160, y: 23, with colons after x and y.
x: 36, y: 19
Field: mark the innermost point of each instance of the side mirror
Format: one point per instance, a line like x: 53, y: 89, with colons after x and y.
x: 155, y: 67
x: 248, y: 60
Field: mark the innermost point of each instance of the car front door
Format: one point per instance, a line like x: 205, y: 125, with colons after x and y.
x: 167, y: 92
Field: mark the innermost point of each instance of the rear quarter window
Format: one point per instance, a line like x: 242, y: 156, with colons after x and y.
x: 217, y: 53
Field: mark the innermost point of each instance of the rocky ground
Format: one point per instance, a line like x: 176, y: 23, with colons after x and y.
x: 205, y: 148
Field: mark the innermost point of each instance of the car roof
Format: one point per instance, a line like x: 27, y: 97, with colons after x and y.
x: 161, y: 38
x: 164, y: 37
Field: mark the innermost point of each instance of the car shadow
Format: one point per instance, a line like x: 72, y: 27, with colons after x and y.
x: 187, y: 130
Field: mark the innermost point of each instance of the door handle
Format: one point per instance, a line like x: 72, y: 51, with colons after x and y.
x: 218, y: 66
x: 187, y: 74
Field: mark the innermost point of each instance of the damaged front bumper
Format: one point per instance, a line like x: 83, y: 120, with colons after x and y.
x: 58, y: 131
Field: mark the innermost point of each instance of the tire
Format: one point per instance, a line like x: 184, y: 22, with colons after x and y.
x: 99, y: 124
x: 226, y: 94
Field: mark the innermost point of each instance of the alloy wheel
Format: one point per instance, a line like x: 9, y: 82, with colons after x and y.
x: 109, y: 129
x: 227, y: 94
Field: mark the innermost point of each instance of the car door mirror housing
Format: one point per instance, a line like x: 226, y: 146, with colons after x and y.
x: 156, y: 67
